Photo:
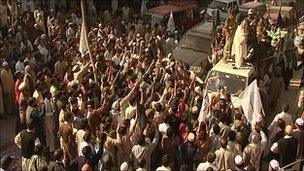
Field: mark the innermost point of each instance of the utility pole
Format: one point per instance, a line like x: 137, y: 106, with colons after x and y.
x: 84, y: 21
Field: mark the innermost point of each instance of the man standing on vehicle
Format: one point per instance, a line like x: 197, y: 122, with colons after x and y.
x: 252, y: 23
x: 230, y: 22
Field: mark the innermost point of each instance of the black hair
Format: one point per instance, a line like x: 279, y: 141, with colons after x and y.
x: 30, y: 124
x: 87, y: 152
x: 281, y: 123
x: 38, y: 149
x: 231, y: 135
x: 166, y: 160
x: 285, y: 107
x: 31, y: 101
x: 183, y: 168
x: 142, y: 162
x: 211, y: 157
x: 216, y: 129
x: 141, y: 139
x: 87, y: 137
x: 58, y: 153
x: 223, y: 142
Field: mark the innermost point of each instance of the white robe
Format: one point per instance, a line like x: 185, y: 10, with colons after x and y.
x: 114, y: 6
x: 239, y: 46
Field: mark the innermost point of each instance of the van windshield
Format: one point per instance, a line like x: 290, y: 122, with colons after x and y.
x: 218, y: 5
x: 235, y: 83
x: 196, y: 43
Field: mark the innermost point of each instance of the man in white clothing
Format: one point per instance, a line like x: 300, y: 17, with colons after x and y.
x: 49, y: 120
x: 209, y: 163
x: 273, y: 127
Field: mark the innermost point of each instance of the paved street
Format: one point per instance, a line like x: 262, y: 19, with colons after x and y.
x: 7, y: 134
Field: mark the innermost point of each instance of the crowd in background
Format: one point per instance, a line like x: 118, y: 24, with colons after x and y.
x: 132, y: 106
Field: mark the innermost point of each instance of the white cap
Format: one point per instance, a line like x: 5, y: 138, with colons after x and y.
x: 75, y: 68
x: 274, y: 164
x: 73, y: 83
x: 238, y: 160
x: 250, y: 11
x: 191, y: 137
x: 124, y: 166
x: 198, y: 89
x: 300, y: 122
x: 22, y: 86
x: 115, y: 105
x: 4, y: 64
x: 163, y: 128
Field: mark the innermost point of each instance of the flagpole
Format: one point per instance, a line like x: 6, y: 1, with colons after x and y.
x: 84, y: 21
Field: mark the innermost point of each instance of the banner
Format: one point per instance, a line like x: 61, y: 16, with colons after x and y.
x: 170, y: 24
x: 204, y: 112
x: 143, y: 8
x: 252, y: 104
x: 83, y: 46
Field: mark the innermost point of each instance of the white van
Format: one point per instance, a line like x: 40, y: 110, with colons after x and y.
x: 224, y: 73
x: 224, y: 6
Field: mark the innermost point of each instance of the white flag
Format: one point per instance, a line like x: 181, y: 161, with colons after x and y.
x: 83, y: 46
x: 252, y: 104
x: 205, y: 107
x: 143, y: 8
x: 170, y: 24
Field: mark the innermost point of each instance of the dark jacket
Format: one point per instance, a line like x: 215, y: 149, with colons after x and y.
x: 27, y: 143
x: 56, y: 166
x: 79, y: 161
x: 288, y: 150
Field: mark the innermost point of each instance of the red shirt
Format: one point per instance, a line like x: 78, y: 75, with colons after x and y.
x: 181, y: 110
x: 17, y: 91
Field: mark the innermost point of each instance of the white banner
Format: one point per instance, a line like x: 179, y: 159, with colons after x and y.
x: 83, y: 46
x: 205, y: 107
x: 252, y: 104
x: 171, y: 24
x: 143, y: 8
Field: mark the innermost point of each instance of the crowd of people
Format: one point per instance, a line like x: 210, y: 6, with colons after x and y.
x: 132, y: 106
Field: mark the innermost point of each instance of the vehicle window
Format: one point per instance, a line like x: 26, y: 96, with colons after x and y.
x: 189, y: 14
x: 229, y: 7
x: 234, y: 5
x: 236, y: 84
x: 196, y: 43
x: 218, y: 5
x: 156, y: 19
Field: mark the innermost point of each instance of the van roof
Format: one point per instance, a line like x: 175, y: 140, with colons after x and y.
x: 252, y: 5
x: 226, y: 1
x: 227, y: 67
x: 167, y: 9
x: 203, y: 28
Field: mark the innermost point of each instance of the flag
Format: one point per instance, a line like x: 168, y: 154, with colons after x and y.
x: 216, y: 21
x: 170, y: 24
x: 83, y: 44
x: 204, y: 112
x: 217, y: 18
x: 143, y: 8
x: 252, y: 104
x: 280, y: 21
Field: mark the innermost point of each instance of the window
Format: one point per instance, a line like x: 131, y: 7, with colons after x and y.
x: 218, y: 5
x: 196, y: 43
x: 229, y: 7
x: 235, y: 83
